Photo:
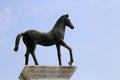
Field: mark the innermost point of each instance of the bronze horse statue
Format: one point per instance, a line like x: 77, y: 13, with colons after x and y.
x: 55, y: 36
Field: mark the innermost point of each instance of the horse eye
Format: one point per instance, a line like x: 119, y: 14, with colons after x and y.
x: 68, y: 20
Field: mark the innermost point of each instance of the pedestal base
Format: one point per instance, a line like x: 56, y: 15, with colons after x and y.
x: 47, y: 72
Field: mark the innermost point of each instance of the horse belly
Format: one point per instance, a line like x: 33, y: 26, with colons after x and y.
x: 46, y: 42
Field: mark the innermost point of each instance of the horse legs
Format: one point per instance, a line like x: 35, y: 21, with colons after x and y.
x: 34, y: 57
x: 59, y: 54
x: 27, y: 56
x: 70, y: 51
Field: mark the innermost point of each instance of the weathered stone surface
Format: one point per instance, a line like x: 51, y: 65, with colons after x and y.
x: 47, y: 72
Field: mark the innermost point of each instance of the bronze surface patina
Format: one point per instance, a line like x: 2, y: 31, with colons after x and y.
x: 54, y: 37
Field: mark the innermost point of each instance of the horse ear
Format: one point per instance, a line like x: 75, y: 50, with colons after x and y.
x: 67, y: 15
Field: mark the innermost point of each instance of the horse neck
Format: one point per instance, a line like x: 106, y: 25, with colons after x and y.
x: 59, y: 29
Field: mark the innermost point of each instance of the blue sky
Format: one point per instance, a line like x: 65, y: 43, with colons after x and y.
x: 95, y: 40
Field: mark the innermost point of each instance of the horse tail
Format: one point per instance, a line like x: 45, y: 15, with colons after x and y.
x: 17, y: 41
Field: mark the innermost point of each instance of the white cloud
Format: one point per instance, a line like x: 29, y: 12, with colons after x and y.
x: 3, y: 28
x: 4, y: 38
x: 7, y: 15
x: 6, y: 19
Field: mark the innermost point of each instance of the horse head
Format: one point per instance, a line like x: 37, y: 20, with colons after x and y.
x: 68, y: 22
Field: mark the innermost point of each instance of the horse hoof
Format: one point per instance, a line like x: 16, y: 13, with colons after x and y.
x: 70, y: 63
x: 36, y: 64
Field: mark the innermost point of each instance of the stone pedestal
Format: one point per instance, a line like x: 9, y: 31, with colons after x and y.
x: 47, y: 72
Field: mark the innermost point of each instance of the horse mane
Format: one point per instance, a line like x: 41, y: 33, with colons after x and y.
x: 59, y: 20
